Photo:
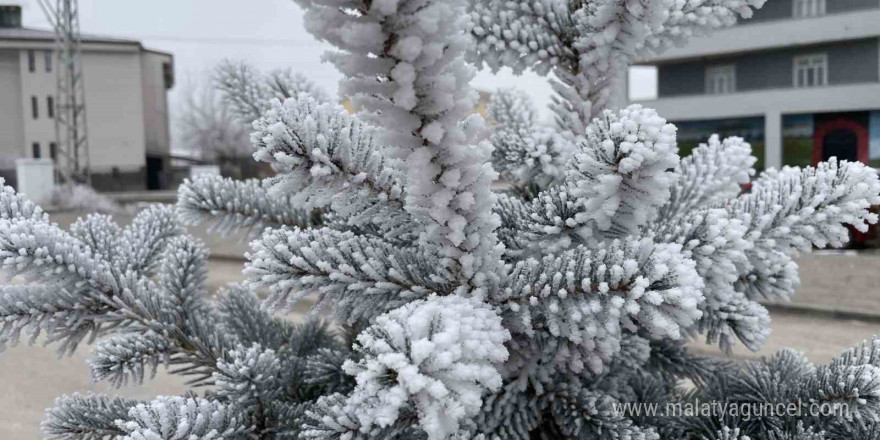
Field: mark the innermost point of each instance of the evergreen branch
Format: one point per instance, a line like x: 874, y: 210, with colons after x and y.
x: 584, y: 297
x: 508, y: 414
x: 129, y: 357
x: 791, y: 210
x: 183, y: 274
x: 718, y: 246
x: 249, y: 92
x: 440, y: 353
x: 186, y: 418
x: 86, y: 417
x: 249, y: 377
x: 191, y: 337
x: 244, y: 319
x: 672, y: 361
x: 362, y: 277
x: 145, y: 238
x: 587, y: 44
x: 536, y: 156
x: 578, y: 412
x: 514, y: 213
x: 414, y: 83
x: 100, y: 235
x: 617, y: 181
x: 319, y: 143
x: 512, y: 110
x: 324, y: 371
x: 239, y: 204
x: 14, y: 205
x: 620, y: 178
x: 41, y: 251
x: 331, y: 159
x: 64, y: 314
x: 286, y: 419
x: 712, y: 173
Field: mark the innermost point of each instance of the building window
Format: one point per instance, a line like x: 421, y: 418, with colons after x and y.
x: 53, y: 150
x: 168, y: 75
x: 720, y: 79
x: 36, y: 150
x: 48, y: 59
x: 32, y: 61
x: 35, y: 107
x: 808, y: 8
x: 811, y: 70
x: 50, y: 107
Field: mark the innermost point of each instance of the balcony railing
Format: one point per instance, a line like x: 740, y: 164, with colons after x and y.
x: 754, y: 103
x: 777, y: 33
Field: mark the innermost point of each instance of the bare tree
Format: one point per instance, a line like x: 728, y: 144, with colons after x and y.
x: 216, y: 114
x: 210, y: 129
x: 248, y: 92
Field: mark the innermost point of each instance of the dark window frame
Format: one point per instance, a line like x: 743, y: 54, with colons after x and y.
x: 35, y: 107
x: 32, y: 60
x: 50, y: 107
x: 35, y: 150
x: 47, y: 58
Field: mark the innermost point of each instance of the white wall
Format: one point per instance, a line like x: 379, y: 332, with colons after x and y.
x: 155, y: 98
x: 11, y: 130
x: 114, y: 110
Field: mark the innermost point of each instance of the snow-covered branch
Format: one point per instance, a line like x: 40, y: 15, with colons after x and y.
x: 228, y: 204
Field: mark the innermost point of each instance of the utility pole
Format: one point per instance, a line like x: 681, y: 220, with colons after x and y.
x: 70, y: 115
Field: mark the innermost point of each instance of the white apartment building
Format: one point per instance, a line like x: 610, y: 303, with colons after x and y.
x: 800, y: 80
x: 126, y: 103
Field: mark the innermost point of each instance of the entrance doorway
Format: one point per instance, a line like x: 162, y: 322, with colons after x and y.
x: 841, y: 143
x: 843, y: 137
x: 155, y: 173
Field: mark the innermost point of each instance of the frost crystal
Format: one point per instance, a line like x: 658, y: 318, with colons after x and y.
x: 435, y: 357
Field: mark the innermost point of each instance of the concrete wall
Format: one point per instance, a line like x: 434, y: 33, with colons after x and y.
x: 115, y: 110
x: 11, y: 124
x: 773, y: 10
x: 840, y: 27
x: 678, y: 79
x: 155, y: 98
x: 848, y: 63
x: 856, y: 62
x: 784, y: 9
x: 835, y: 6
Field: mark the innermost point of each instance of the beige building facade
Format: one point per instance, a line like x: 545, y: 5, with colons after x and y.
x: 126, y: 105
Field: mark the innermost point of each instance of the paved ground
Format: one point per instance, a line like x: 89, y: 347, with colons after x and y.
x: 31, y: 377
x: 819, y: 337
x: 826, y: 315
x: 842, y: 281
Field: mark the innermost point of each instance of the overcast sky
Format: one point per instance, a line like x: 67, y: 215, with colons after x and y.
x: 267, y: 33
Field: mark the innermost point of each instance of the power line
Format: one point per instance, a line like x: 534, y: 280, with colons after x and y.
x: 237, y: 41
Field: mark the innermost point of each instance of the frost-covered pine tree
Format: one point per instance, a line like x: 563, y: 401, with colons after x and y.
x: 456, y: 312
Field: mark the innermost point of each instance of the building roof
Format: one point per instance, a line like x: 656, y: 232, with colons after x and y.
x: 24, y: 33
x: 31, y: 34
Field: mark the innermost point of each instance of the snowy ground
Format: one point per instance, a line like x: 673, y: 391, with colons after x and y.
x: 31, y: 377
